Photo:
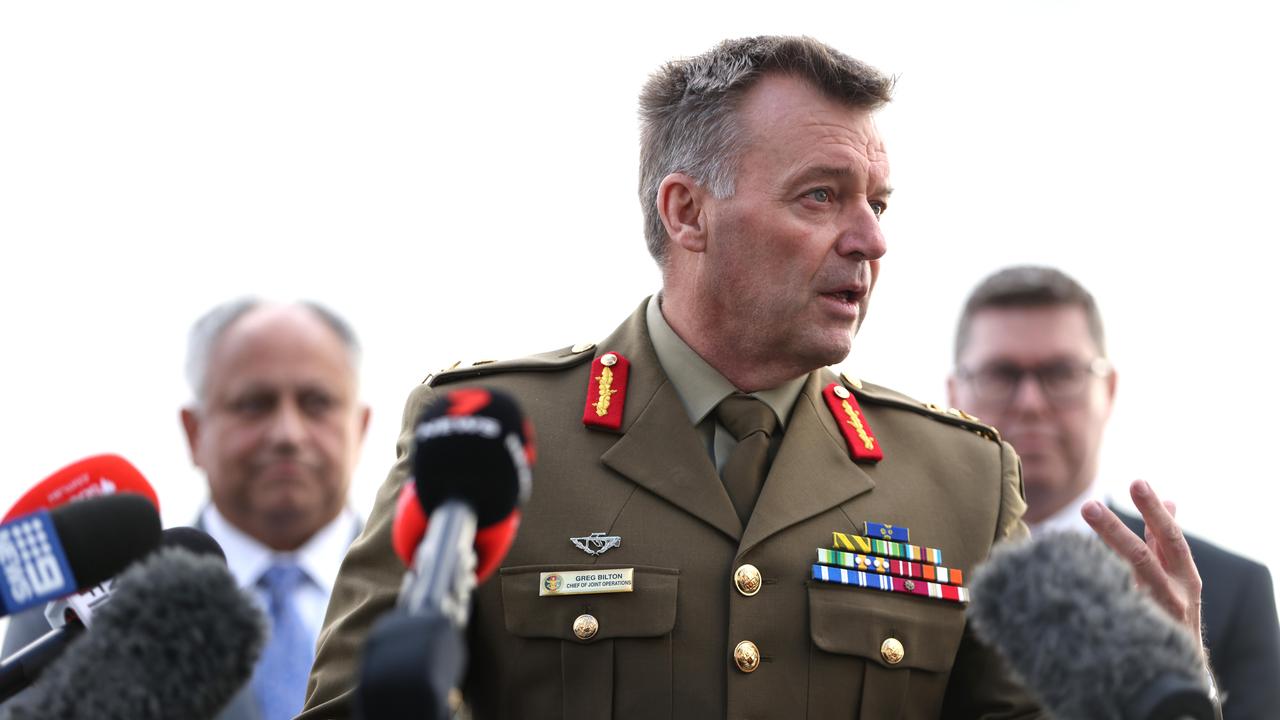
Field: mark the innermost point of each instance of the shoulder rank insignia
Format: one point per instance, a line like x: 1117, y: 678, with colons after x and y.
x: 606, y: 392
x: 853, y: 424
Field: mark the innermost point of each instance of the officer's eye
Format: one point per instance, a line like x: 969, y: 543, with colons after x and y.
x: 878, y: 207
x: 822, y: 195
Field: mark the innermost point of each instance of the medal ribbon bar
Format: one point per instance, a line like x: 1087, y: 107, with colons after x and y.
x: 889, y: 583
x: 901, y: 568
x: 885, y: 548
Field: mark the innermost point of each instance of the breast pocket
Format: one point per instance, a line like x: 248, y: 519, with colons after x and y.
x: 879, y: 655
x: 614, y: 648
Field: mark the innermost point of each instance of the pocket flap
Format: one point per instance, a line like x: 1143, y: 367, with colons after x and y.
x: 858, y: 622
x: 649, y: 610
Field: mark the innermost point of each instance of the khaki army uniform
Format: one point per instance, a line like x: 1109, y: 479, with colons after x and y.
x: 667, y: 649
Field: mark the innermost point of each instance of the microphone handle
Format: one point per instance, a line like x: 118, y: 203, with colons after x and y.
x: 1169, y: 697
x: 444, y: 565
x: 411, y: 665
x: 20, y: 669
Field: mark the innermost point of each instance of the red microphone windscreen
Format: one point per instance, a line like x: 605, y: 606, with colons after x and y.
x: 410, y: 526
x: 90, y: 477
x: 493, y: 542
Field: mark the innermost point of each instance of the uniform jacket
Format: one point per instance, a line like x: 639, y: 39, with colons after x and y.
x: 1240, y: 628
x: 666, y: 649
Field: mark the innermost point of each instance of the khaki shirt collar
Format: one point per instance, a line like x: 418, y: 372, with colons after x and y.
x: 700, y: 386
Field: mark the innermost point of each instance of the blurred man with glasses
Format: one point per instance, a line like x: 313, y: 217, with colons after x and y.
x: 1031, y: 360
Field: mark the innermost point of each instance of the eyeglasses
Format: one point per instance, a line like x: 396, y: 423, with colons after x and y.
x: 1060, y: 381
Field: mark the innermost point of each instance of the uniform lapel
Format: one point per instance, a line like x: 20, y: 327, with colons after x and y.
x: 812, y: 472
x: 659, y: 448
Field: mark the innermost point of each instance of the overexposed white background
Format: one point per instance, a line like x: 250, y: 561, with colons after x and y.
x: 459, y: 182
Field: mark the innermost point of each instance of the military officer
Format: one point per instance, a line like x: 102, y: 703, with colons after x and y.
x: 702, y: 453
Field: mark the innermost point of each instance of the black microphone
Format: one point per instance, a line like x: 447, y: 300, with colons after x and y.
x: 49, y: 554
x: 70, y: 616
x: 471, y: 468
x: 1064, y: 613
x: 178, y: 639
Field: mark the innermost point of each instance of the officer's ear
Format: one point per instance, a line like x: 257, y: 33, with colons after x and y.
x: 681, y: 207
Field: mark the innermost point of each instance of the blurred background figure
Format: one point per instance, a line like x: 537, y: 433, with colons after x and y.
x: 1030, y: 359
x: 276, y: 426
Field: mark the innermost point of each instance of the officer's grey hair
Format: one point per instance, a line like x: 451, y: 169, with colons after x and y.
x: 1027, y: 286
x: 206, y: 331
x: 688, y: 115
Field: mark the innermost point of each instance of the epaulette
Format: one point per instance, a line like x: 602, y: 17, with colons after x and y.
x: 867, y: 392
x: 563, y: 358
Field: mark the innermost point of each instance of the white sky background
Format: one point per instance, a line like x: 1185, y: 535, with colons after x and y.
x: 459, y: 183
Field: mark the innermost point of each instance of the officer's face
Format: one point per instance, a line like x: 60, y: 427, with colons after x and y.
x: 792, y: 256
x: 1057, y: 431
x: 279, y: 431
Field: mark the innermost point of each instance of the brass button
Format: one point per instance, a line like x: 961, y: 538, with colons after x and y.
x: 608, y: 359
x: 747, y: 579
x: 581, y: 348
x: 747, y: 656
x: 892, y: 651
x: 585, y: 627
x: 841, y: 392
x: 852, y: 380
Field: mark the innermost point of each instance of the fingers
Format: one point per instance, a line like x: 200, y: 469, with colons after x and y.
x: 1150, y: 536
x: 1162, y: 563
x: 1172, y: 548
x: 1147, y: 569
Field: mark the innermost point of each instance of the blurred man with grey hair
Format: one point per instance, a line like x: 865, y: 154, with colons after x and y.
x: 276, y: 425
x: 1031, y: 359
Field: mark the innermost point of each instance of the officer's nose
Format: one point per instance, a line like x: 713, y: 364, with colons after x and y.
x: 860, y: 233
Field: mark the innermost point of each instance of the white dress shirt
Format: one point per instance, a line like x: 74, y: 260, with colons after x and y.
x: 319, y: 558
x: 1068, y: 518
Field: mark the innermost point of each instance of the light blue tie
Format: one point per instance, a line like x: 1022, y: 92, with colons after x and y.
x: 280, y: 680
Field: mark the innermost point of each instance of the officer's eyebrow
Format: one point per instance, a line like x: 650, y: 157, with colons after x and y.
x: 816, y: 173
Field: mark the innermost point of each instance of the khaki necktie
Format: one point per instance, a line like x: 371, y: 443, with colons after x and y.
x: 752, y: 423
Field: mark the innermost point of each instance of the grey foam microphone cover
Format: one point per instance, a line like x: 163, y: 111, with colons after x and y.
x: 1065, y: 614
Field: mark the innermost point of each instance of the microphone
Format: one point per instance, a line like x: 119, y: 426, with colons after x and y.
x: 90, y: 477
x: 69, y: 617
x: 410, y: 525
x: 1063, y: 612
x: 471, y: 470
x: 178, y: 639
x: 81, y: 605
x: 47, y: 554
x: 472, y: 456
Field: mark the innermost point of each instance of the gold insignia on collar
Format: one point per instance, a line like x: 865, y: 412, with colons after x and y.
x: 856, y: 421
x: 605, y: 380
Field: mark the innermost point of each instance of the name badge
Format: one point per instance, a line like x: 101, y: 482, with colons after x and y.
x: 585, y: 582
